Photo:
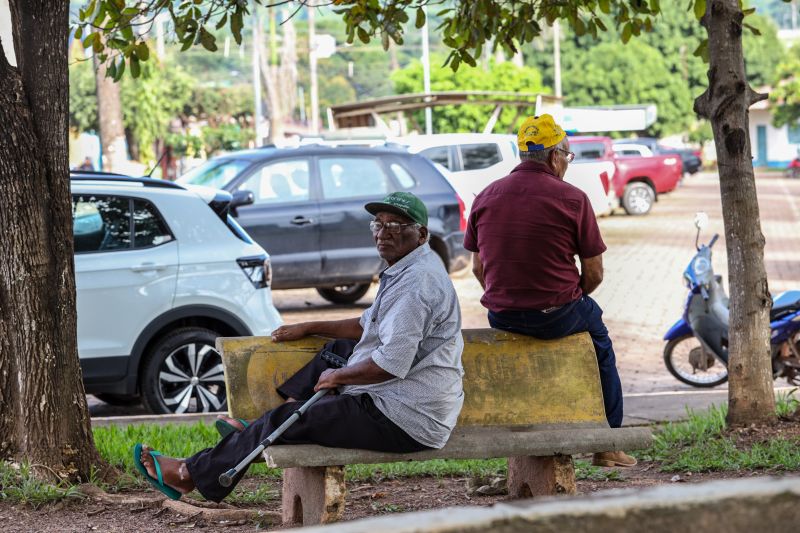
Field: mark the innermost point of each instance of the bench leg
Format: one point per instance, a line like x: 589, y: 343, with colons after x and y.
x: 313, y: 495
x: 540, y: 476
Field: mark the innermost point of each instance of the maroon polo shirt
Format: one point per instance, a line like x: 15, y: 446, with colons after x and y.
x: 527, y: 229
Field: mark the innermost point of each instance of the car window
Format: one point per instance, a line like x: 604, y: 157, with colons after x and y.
x: 628, y: 152
x: 215, y: 173
x: 352, y: 177
x: 477, y: 156
x: 101, y: 223
x: 281, y: 182
x: 403, y: 177
x: 149, y: 229
x: 588, y: 151
x: 439, y: 154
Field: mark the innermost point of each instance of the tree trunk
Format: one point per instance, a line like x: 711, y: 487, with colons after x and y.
x: 109, y: 118
x: 44, y: 418
x: 725, y: 103
x: 269, y: 80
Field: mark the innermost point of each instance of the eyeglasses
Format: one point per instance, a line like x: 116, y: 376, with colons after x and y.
x: 570, y: 155
x: 391, y: 227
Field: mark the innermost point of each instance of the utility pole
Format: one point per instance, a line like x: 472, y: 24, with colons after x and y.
x: 557, y: 58
x: 257, y: 109
x: 426, y: 73
x: 312, y: 65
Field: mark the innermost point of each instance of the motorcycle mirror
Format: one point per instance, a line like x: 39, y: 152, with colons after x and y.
x: 700, y: 220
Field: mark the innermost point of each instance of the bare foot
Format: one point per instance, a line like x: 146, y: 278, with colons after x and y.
x: 235, y: 422
x: 173, y: 471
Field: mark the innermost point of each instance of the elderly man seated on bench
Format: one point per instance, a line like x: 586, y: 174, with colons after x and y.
x: 401, y: 390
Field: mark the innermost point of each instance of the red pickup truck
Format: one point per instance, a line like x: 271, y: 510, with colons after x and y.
x: 635, y: 181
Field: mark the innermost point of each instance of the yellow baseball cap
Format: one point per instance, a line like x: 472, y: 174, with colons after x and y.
x: 538, y: 133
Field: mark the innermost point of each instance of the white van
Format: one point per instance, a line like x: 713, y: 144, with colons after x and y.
x: 471, y: 161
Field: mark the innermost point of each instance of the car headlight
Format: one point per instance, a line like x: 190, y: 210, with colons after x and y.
x: 700, y: 267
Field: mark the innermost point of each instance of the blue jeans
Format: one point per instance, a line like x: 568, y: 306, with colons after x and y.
x: 581, y: 315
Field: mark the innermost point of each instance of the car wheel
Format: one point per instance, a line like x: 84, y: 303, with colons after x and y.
x: 344, y: 294
x: 119, y: 399
x: 183, y: 373
x: 638, y: 198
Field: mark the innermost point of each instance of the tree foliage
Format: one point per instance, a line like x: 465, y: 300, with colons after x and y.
x: 149, y: 102
x: 787, y: 89
x: 632, y: 74
x: 449, y: 119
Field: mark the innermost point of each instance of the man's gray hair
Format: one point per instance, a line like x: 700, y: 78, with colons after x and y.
x: 542, y: 156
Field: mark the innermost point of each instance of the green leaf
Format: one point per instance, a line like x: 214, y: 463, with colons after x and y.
x: 363, y: 36
x: 600, y: 24
x: 222, y: 21
x: 627, y: 30
x: 136, y: 69
x: 120, y: 68
x: 79, y: 32
x: 87, y: 42
x: 702, y: 50
x: 420, y: 22
x: 236, y: 26
x: 142, y: 51
x: 750, y: 11
x: 699, y: 8
x: 655, y: 6
x: 111, y: 70
x: 605, y: 6
x: 753, y: 29
x: 385, y: 40
x: 580, y: 27
x: 208, y: 40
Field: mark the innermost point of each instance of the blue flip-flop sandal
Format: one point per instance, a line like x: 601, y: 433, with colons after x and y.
x: 157, y: 483
x: 225, y: 428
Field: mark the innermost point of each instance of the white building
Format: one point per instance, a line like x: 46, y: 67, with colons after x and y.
x: 771, y: 146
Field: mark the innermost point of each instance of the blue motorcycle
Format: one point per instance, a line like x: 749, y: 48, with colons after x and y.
x: 697, y: 345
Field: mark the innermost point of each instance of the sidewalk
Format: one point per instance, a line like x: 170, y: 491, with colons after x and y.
x: 652, y: 407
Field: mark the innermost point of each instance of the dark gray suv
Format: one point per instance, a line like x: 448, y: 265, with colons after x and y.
x: 305, y: 206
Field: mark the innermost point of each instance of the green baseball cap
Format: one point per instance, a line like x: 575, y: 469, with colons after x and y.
x: 401, y: 203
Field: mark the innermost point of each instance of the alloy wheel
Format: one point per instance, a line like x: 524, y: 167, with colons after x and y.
x: 191, y: 379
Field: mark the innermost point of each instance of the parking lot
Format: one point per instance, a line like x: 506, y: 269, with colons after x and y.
x: 642, y: 293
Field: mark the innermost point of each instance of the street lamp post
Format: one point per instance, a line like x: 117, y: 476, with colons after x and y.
x: 426, y: 72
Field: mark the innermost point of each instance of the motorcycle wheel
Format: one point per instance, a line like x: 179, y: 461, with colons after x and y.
x: 676, y: 358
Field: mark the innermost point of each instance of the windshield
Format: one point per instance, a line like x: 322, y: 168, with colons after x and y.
x: 215, y: 173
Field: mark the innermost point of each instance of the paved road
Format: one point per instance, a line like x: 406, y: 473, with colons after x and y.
x: 642, y: 294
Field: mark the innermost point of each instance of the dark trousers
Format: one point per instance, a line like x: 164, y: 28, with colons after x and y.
x: 581, y: 315
x: 339, y: 421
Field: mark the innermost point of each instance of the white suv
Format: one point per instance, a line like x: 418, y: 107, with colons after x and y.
x: 161, y: 272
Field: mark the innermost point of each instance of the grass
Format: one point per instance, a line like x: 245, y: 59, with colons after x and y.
x: 18, y: 484
x: 699, y: 444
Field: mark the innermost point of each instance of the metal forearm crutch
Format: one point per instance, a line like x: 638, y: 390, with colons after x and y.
x: 227, y: 478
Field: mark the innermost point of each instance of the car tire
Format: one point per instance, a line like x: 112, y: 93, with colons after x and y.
x: 121, y: 400
x: 183, y: 373
x: 638, y: 198
x: 344, y: 294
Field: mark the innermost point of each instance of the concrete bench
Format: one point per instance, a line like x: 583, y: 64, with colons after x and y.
x: 535, y: 402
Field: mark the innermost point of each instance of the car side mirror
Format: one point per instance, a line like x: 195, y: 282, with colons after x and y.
x: 241, y: 198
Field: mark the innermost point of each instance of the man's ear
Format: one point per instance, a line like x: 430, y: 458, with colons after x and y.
x: 423, y: 234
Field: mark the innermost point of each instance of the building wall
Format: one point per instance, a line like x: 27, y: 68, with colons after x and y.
x: 780, y: 151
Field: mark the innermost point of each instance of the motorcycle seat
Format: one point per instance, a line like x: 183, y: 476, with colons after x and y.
x: 784, y: 304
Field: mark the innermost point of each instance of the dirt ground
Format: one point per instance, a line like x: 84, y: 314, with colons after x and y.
x: 377, y: 498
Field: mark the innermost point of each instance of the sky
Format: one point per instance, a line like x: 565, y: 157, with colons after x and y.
x: 5, y: 31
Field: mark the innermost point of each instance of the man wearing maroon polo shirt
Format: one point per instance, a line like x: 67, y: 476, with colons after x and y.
x: 524, y: 231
